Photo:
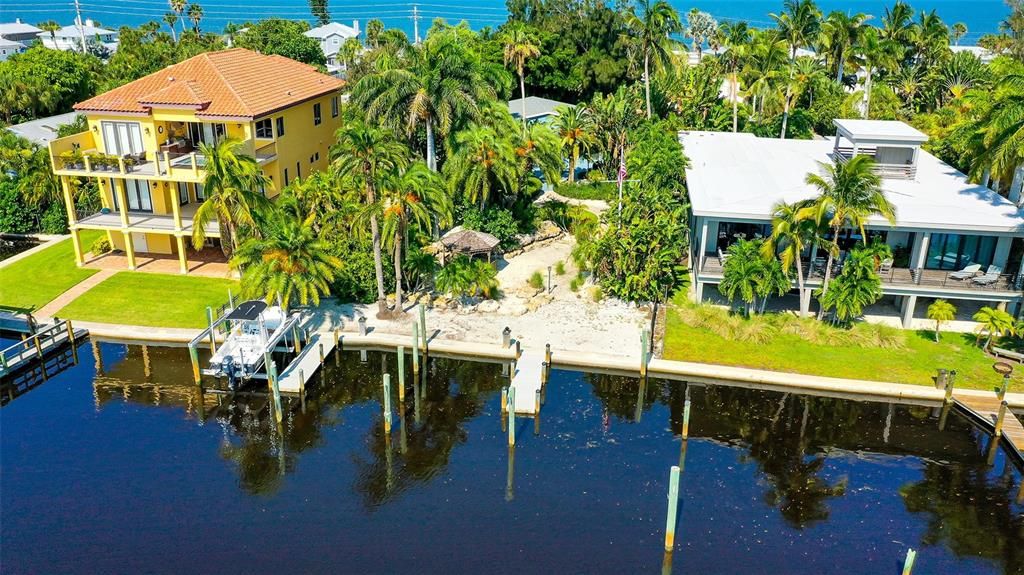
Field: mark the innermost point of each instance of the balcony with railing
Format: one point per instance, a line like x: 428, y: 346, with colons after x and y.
x: 904, y: 171
x: 814, y: 274
x: 107, y: 219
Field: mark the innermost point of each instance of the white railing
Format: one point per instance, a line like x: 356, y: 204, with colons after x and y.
x: 891, y: 171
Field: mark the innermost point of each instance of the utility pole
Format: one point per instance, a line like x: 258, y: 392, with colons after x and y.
x: 415, y: 23
x: 81, y: 26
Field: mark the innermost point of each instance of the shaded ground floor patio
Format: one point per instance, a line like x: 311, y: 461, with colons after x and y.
x: 207, y: 262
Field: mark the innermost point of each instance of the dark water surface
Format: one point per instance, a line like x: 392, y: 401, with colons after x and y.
x: 9, y: 248
x: 129, y: 470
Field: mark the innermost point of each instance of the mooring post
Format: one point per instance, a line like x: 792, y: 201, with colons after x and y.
x: 943, y: 415
x: 415, y: 348
x: 950, y: 378
x: 908, y: 563
x: 423, y: 327
x: 295, y: 338
x: 543, y: 375
x: 71, y: 338
x: 506, y: 337
x: 536, y: 403
x: 1000, y: 417
x: 686, y: 419
x: 401, y: 373
x: 547, y: 354
x: 213, y: 336
x: 1004, y: 386
x: 276, y: 389
x: 193, y: 355
x: 321, y: 346
x: 643, y: 353
x: 673, y: 502
x: 504, y: 400
x: 511, y: 417
x: 302, y: 384
x: 337, y: 346
x: 387, y: 403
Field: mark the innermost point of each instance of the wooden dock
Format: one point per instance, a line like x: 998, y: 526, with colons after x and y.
x: 38, y: 346
x: 984, y: 410
x: 527, y: 381
x: 293, y: 379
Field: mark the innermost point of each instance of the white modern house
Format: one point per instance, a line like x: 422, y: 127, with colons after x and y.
x: 18, y: 31
x: 9, y: 48
x: 952, y: 239
x: 331, y: 38
x: 71, y: 37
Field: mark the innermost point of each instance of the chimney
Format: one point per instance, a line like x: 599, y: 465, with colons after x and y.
x: 355, y: 26
x: 17, y: 20
x: 88, y: 22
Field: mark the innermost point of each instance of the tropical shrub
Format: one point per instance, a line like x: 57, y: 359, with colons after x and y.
x: 54, y: 220
x: 356, y: 280
x: 498, y: 222
x: 993, y: 324
x: 857, y: 287
x: 592, y: 190
x: 560, y: 268
x: 100, y: 246
x: 16, y: 217
x: 536, y: 280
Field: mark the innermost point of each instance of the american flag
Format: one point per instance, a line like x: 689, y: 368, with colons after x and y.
x: 622, y: 170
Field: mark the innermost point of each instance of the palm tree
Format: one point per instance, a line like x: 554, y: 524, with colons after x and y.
x: 840, y: 35
x: 363, y: 157
x: 736, y: 38
x: 456, y: 278
x: 195, y: 14
x: 876, y: 52
x: 649, y: 33
x: 575, y: 128
x: 897, y: 21
x: 50, y: 26
x: 421, y: 267
x: 519, y: 48
x: 856, y: 288
x: 171, y: 19
x: 742, y: 273
x: 993, y: 323
x: 615, y: 116
x: 232, y: 184
x: 440, y: 89
x: 349, y: 50
x: 849, y: 193
x: 791, y: 233
x: 292, y: 261
x: 483, y: 161
x: 700, y: 26
x: 939, y: 311
x: 959, y: 31
x: 1001, y: 130
x: 798, y: 25
x: 178, y: 7
x: 374, y: 28
x: 415, y: 196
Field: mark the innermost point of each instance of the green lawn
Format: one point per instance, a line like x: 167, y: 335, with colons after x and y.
x: 31, y: 283
x: 916, y: 363
x: 156, y: 300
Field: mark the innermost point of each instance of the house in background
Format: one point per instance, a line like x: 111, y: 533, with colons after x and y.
x: 143, y: 145
x: 20, y: 32
x: 944, y: 223
x: 9, y: 48
x: 537, y: 109
x: 332, y: 37
x: 71, y: 37
x: 42, y: 130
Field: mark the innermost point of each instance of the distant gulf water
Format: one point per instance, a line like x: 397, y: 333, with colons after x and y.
x: 980, y: 16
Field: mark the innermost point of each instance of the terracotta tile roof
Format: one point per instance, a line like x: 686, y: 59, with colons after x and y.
x: 235, y: 82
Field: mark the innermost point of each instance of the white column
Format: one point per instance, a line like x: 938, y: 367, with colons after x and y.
x: 1001, y: 257
x: 698, y: 292
x: 921, y: 250
x: 1016, y: 186
x: 909, y: 303
x: 703, y: 244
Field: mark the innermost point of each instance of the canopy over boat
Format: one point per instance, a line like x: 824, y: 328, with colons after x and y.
x: 248, y: 311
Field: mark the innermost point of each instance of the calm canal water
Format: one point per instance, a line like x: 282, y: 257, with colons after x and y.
x: 127, y: 469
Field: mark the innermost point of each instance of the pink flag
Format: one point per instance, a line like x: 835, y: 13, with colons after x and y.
x: 622, y: 170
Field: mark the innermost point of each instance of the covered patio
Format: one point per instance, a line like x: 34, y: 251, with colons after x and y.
x: 207, y: 262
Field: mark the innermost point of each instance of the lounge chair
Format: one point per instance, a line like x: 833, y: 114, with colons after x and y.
x: 966, y: 273
x: 991, y: 276
x: 885, y: 267
x: 722, y: 256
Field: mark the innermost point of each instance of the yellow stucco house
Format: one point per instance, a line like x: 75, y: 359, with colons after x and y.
x: 142, y: 145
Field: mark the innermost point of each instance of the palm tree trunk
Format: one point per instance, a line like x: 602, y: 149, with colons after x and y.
x: 867, y: 94
x: 398, y: 271
x: 431, y: 159
x: 378, y: 264
x: 735, y: 104
x: 647, y: 82
x: 937, y: 331
x: 828, y: 270
x: 839, y: 74
x: 789, y: 94
x: 522, y: 95
x: 800, y: 283
x: 574, y: 156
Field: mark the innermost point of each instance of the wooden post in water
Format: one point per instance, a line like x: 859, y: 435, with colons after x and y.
x: 504, y: 400
x: 643, y: 353
x: 908, y: 563
x: 547, y: 353
x: 423, y: 327
x: 673, y: 503
x: 321, y: 346
x: 511, y: 417
x: 276, y: 390
x: 71, y: 339
x: 387, y: 403
x: 295, y: 338
x: 943, y: 415
x: 686, y: 419
x: 302, y: 384
x: 949, y: 387
x: 415, y: 349
x: 39, y: 352
x: 510, y: 477
x: 337, y: 346
x: 213, y: 336
x: 193, y: 354
x: 999, y: 419
x: 401, y: 376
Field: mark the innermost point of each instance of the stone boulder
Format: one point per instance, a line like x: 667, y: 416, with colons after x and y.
x: 488, y: 306
x: 527, y: 292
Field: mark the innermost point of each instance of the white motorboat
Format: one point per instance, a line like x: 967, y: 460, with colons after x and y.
x: 254, y: 329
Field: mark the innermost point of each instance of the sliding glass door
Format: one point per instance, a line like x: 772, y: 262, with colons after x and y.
x: 122, y: 138
x: 137, y: 194
x: 955, y: 251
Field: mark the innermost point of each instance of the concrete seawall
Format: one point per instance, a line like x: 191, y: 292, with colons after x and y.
x: 605, y: 363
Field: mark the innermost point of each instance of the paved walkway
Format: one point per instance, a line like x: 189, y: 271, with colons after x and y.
x: 47, y: 311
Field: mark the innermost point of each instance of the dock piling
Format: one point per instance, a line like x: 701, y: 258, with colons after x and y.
x: 999, y: 419
x: 504, y: 400
x: 950, y: 378
x: 194, y: 356
x: 511, y: 417
x: 686, y: 419
x: 908, y: 563
x: 643, y: 352
x: 401, y: 375
x: 209, y: 325
x: 415, y: 348
x: 71, y: 339
x: 387, y: 403
x: 423, y: 327
x: 673, y: 503
x: 321, y: 345
x: 276, y: 390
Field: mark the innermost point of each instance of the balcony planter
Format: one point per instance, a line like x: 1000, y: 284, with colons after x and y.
x: 72, y: 159
x: 129, y: 163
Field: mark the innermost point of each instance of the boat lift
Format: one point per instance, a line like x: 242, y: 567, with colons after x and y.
x: 252, y: 332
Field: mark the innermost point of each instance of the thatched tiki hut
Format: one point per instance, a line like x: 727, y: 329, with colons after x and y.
x: 467, y: 242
